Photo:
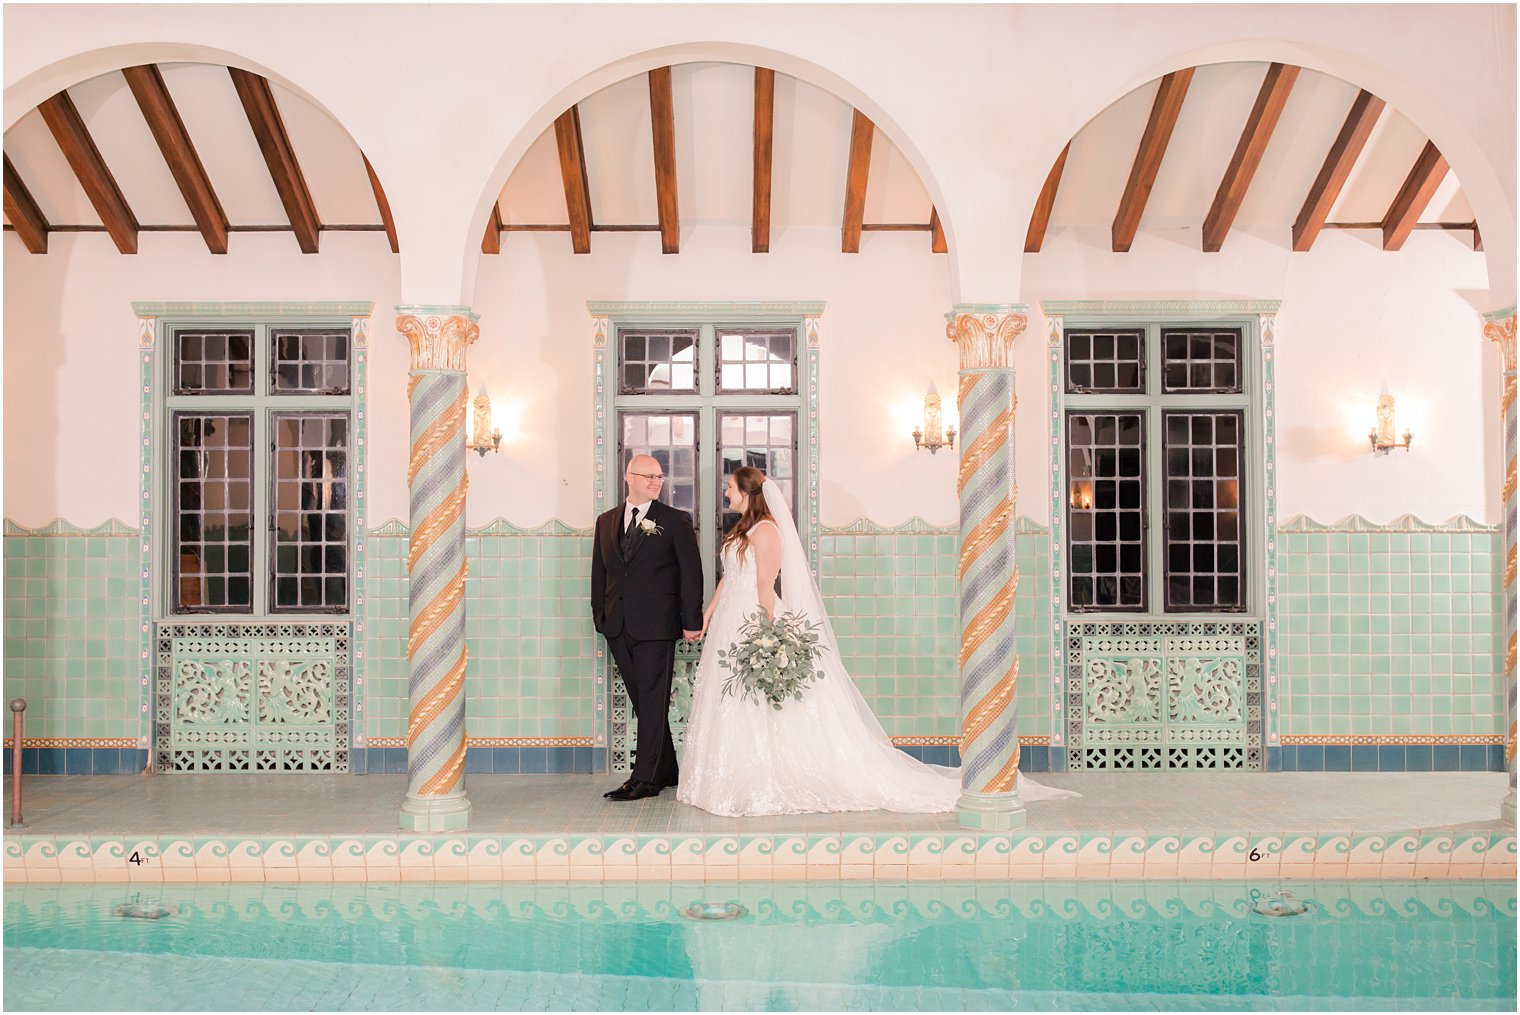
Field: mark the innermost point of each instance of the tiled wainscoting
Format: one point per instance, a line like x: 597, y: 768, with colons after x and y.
x: 1389, y: 645
x: 833, y: 856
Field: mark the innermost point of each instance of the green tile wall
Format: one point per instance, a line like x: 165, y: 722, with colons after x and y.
x: 531, y: 669
x: 891, y: 596
x: 1390, y: 632
x: 71, y: 633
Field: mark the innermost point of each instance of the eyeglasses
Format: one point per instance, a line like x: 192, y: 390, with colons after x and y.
x: 651, y: 476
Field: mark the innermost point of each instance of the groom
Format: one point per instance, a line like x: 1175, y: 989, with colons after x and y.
x: 646, y: 593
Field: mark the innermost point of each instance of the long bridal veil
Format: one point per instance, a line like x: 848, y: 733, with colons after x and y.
x: 800, y: 594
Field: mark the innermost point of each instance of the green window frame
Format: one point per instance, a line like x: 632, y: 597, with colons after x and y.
x: 303, y: 477
x: 706, y: 404
x: 1092, y: 390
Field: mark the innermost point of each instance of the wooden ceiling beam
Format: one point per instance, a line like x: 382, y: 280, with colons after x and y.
x: 937, y: 242
x: 490, y: 243
x: 284, y: 169
x: 663, y: 117
x: 1142, y: 175
x: 1419, y: 187
x: 765, y: 122
x: 94, y: 176
x: 22, y: 210
x: 1034, y: 239
x: 383, y: 204
x: 572, y: 171
x: 1326, y: 190
x: 158, y: 109
x: 1265, y: 113
x: 862, y: 132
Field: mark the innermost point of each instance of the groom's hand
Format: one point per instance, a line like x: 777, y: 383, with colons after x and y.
x: 691, y: 635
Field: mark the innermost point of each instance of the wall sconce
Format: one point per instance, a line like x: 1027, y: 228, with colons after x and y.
x: 1381, y: 436
x: 483, y: 436
x: 933, y: 435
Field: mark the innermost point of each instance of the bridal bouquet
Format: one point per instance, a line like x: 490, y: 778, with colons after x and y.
x: 773, y: 659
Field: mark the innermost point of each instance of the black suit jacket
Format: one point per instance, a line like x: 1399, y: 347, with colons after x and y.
x: 657, y: 592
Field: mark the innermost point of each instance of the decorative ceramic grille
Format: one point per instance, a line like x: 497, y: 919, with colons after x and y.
x: 1164, y: 695
x: 252, y: 697
x: 625, y: 726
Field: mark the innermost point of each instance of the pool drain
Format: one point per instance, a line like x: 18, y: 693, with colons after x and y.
x: 1283, y: 904
x: 144, y: 910
x: 714, y: 911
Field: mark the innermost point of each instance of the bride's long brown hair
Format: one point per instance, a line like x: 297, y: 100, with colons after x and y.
x: 750, y: 481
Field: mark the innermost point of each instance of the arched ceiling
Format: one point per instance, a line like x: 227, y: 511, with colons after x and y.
x: 708, y: 166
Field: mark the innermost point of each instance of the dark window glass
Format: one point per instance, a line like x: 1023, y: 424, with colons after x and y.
x: 212, y: 561
x: 309, y: 501
x: 213, y: 362
x: 1205, y: 558
x: 309, y: 361
x: 1105, y: 510
x: 1110, y: 361
x: 1201, y: 360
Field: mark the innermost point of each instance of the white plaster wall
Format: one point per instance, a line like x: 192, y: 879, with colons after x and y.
x: 1355, y: 321
x: 883, y: 341
x: 72, y: 419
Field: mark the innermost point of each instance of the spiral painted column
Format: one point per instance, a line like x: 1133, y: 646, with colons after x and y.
x: 1500, y: 327
x: 436, y: 567
x: 989, y: 667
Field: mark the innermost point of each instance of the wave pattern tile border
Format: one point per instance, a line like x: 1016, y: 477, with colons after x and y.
x: 1444, y: 854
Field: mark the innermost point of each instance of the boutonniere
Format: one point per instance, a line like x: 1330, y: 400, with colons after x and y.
x: 650, y: 527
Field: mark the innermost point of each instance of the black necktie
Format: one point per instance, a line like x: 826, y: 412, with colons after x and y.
x: 633, y: 524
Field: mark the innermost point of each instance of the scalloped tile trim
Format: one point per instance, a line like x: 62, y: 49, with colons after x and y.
x: 64, y: 527
x: 496, y: 527
x: 1403, y: 523
x: 1442, y: 853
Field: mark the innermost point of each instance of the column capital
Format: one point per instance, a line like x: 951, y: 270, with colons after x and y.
x: 985, y: 333
x: 439, y: 336
x: 1500, y: 328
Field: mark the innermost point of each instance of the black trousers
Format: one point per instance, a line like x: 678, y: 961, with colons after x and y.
x: 646, y: 668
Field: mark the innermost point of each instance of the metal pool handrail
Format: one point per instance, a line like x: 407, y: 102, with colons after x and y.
x: 18, y: 710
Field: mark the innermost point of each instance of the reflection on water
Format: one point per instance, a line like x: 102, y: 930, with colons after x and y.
x: 811, y: 946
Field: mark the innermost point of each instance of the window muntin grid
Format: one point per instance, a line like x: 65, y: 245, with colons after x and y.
x: 765, y: 441
x: 213, y: 362
x: 1105, y: 510
x: 671, y: 439
x: 1198, y: 360
x: 1110, y: 360
x: 309, y: 361
x: 757, y: 361
x: 309, y: 512
x: 657, y: 361
x: 213, y: 510
x: 1205, y: 538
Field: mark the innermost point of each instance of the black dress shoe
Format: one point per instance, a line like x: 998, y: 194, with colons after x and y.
x: 637, y: 791
x: 625, y: 787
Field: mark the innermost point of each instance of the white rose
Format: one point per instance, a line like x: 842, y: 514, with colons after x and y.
x: 767, y: 642
x: 781, y: 658
x: 648, y: 526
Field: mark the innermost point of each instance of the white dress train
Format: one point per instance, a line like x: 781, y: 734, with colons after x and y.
x: 826, y: 752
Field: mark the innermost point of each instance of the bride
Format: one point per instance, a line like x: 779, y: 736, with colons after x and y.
x: 826, y: 752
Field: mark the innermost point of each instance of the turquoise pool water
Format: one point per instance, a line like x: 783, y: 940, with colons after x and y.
x: 819, y: 946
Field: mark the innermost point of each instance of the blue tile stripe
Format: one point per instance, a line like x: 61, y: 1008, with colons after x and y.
x: 1390, y: 758
x: 1034, y: 758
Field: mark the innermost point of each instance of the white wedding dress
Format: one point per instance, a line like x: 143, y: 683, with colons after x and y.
x: 826, y: 752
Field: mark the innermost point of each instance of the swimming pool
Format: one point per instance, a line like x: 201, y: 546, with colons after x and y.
x: 831, y: 946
